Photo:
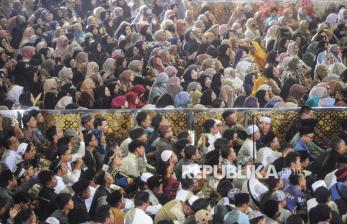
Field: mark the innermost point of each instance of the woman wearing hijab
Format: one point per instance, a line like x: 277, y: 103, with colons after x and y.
x: 28, y: 32
x: 119, y: 102
x: 342, y: 16
x: 251, y: 102
x: 85, y: 100
x: 263, y: 97
x: 27, y: 53
x: 146, y: 32
x: 217, y: 82
x: 50, y: 91
x: 258, y: 54
x: 190, y: 75
x: 102, y: 98
x: 125, y: 7
x: 62, y: 45
x: 140, y: 91
x: 92, y: 68
x: 182, y: 100
x: 249, y: 83
x: 65, y: 75
x: 126, y: 78
x: 205, y: 82
x: 296, y: 95
x: 158, y: 88
x: 32, y: 81
x: 272, y: 79
x: 132, y: 99
x: 224, y: 55
x: 88, y: 85
x: 97, y: 53
x: 207, y: 98
x: 271, y: 37
x: 227, y: 94
x: 251, y: 30
x: 109, y: 68
x: 190, y: 44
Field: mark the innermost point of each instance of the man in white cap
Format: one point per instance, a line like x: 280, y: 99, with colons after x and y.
x: 168, y: 156
x: 175, y: 210
x: 265, y: 129
x: 249, y: 147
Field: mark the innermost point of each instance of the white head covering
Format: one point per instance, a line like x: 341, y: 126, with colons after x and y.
x: 165, y: 155
x: 317, y: 184
x: 145, y: 176
x: 250, y: 130
x: 265, y: 120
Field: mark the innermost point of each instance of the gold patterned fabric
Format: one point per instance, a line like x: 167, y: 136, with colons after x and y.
x: 120, y: 122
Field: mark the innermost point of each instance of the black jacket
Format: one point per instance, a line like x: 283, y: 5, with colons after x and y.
x: 47, y: 203
x: 98, y: 200
x: 80, y: 213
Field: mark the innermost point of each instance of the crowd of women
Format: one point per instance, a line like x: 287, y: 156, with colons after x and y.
x: 117, y: 54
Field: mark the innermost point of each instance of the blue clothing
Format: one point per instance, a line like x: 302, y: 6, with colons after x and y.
x: 342, y: 188
x: 301, y: 146
x: 269, y: 20
x: 294, y: 197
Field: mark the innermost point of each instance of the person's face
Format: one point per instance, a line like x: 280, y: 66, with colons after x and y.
x: 70, y: 204
x: 232, y: 155
x: 104, y: 126
x: 307, y: 115
x: 14, y: 142
x: 127, y: 30
x: 342, y: 149
x: 308, y: 138
x: 86, y: 194
x: 297, y: 164
x: 147, y: 122
x: 275, y: 145
x: 64, y: 168
x: 173, y: 158
x: 40, y: 119
x: 208, y: 82
x: 302, y: 182
x: 108, y: 178
x: 66, y: 156
x: 54, y: 182
x: 141, y: 151
x: 196, y: 156
x: 143, y: 138
x: 265, y: 127
x: 89, y: 125
x: 94, y: 142
x: 32, y: 123
x: 169, y: 134
x: 256, y: 136
x: 117, y: 162
x: 194, y: 75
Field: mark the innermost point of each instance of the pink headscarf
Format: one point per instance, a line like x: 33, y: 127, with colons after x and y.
x: 28, y: 51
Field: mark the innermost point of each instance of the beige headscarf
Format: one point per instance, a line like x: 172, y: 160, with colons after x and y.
x: 50, y: 86
x: 88, y: 86
x: 92, y: 68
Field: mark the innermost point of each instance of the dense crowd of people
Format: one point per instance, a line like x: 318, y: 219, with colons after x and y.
x: 98, y: 54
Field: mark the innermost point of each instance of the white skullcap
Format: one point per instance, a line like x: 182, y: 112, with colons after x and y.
x: 52, y: 220
x: 145, y: 176
x: 250, y: 130
x: 317, y: 184
x: 218, y: 122
x: 192, y: 199
x: 165, y: 155
x: 265, y: 120
x: 21, y: 148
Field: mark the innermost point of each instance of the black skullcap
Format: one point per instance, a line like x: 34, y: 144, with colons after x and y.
x: 154, y: 181
x: 269, y: 138
x: 85, y: 119
x: 62, y: 199
x: 80, y: 186
x: 304, y: 130
x: 136, y: 133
